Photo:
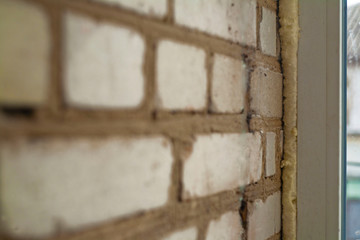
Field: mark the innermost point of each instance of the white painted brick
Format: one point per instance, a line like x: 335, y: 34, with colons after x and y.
x: 266, y: 93
x: 270, y: 153
x: 152, y: 7
x: 74, y: 182
x: 24, y: 53
x: 103, y: 64
x: 228, y: 227
x: 229, y: 83
x: 221, y: 162
x: 265, y: 218
x: 268, y: 32
x: 187, y: 234
x: 181, y: 76
x: 229, y: 19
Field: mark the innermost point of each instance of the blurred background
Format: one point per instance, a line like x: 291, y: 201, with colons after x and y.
x: 353, y: 121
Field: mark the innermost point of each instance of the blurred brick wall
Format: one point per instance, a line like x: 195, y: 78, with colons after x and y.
x: 135, y: 119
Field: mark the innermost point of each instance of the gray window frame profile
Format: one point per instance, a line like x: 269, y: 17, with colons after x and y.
x: 321, y: 119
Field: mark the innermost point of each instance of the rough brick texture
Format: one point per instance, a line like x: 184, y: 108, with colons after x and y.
x: 229, y: 19
x: 188, y: 234
x: 229, y: 85
x: 78, y: 181
x: 266, y: 93
x: 103, y: 64
x: 268, y: 32
x: 265, y: 218
x: 150, y: 7
x: 24, y: 53
x: 140, y: 119
x: 221, y: 162
x: 270, y: 154
x: 181, y: 76
x: 227, y: 227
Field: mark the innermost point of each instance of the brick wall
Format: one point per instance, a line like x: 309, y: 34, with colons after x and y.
x: 156, y: 119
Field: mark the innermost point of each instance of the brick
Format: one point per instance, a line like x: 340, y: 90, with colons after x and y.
x: 187, y: 234
x: 24, y: 54
x: 229, y: 83
x: 265, y: 218
x: 103, y: 64
x: 229, y: 19
x: 156, y: 8
x: 181, y: 77
x: 227, y: 227
x: 266, y: 93
x: 270, y: 154
x: 76, y: 182
x: 268, y: 32
x: 221, y: 162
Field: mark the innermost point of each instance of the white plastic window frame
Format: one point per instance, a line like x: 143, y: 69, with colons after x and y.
x: 321, y: 141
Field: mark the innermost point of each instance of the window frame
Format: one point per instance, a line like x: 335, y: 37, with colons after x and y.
x: 321, y: 133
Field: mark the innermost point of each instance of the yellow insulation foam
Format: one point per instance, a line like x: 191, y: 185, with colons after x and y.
x: 289, y: 35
